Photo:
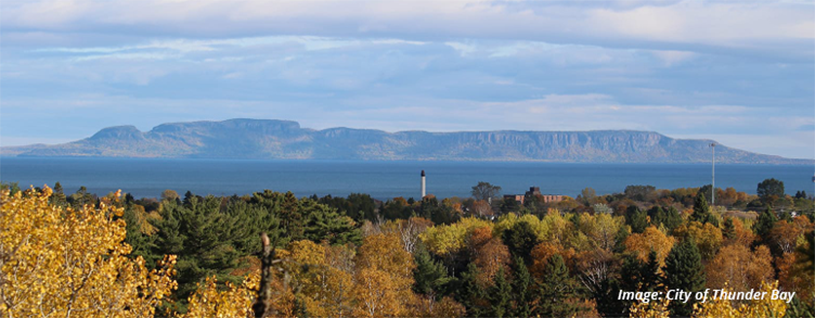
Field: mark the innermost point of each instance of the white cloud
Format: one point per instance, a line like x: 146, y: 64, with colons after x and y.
x: 671, y: 25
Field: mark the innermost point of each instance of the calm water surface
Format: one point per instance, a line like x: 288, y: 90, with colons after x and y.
x: 381, y: 179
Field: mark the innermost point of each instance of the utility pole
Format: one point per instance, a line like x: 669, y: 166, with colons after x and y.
x: 713, y: 175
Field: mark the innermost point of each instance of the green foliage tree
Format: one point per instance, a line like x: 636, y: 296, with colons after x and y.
x: 470, y: 293
x: 521, y: 239
x: 485, y: 191
x: 729, y: 230
x: 673, y: 218
x: 557, y: 289
x: 431, y: 278
x: 324, y: 224
x: 770, y: 189
x: 637, y: 219
x: 701, y: 211
x: 684, y: 270
x: 522, y: 289
x: 203, y: 239
x: 499, y: 295
x: 765, y: 223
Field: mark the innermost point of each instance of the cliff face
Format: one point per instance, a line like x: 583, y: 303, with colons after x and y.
x: 276, y: 139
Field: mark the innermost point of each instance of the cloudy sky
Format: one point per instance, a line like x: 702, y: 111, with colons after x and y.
x: 741, y: 73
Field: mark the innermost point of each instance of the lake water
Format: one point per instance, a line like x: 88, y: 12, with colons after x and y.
x: 381, y: 179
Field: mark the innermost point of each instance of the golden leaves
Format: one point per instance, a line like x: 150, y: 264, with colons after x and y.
x: 73, y: 262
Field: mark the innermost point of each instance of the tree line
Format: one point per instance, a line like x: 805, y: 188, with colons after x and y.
x: 203, y: 256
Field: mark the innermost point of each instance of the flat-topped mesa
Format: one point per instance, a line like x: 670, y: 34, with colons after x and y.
x: 282, y: 139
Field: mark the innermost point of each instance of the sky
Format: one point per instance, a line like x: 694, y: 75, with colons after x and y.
x: 738, y: 72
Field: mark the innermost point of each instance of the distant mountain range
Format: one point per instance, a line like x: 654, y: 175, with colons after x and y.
x: 280, y: 139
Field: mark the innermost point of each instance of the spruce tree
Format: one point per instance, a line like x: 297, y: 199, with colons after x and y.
x: 631, y: 273
x: 619, y: 239
x: 651, y: 273
x: 637, y: 219
x: 657, y: 215
x: 701, y: 211
x: 470, y: 294
x: 557, y: 288
x: 729, y: 230
x: 683, y: 270
x: 672, y: 219
x: 522, y: 289
x: 430, y: 277
x: 499, y: 295
x: 520, y: 239
x: 765, y: 223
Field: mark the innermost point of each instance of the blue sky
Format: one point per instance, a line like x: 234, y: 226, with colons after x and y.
x: 741, y: 73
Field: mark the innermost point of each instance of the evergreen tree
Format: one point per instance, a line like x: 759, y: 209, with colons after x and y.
x: 499, y: 295
x: 631, y: 273
x: 522, y: 289
x: 729, y: 230
x: 652, y: 274
x: 58, y: 198
x: 657, y: 215
x: 637, y: 219
x: 619, y: 239
x: 203, y: 239
x: 765, y: 223
x: 430, y: 277
x: 683, y: 270
x: 701, y: 211
x: 606, y: 296
x: 520, y: 239
x: 556, y: 289
x: 143, y: 245
x: 470, y: 294
x: 672, y: 219
x: 323, y: 223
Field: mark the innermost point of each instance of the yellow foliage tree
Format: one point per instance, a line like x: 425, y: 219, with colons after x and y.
x: 384, y: 275
x: 212, y: 301
x: 446, y: 239
x: 653, y: 309
x: 738, y: 268
x: 650, y: 239
x: 722, y: 308
x: 708, y: 237
x: 67, y: 262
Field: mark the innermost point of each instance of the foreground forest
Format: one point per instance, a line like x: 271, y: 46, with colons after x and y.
x: 76, y: 255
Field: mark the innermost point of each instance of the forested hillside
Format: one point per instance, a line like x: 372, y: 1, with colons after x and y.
x: 76, y: 255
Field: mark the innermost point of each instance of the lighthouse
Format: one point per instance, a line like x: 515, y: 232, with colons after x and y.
x: 424, y: 189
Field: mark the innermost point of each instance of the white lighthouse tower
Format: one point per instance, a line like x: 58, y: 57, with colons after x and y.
x: 424, y: 188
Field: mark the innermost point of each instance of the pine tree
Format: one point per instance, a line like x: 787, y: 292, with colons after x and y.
x: 557, y: 289
x: 673, y: 218
x: 701, y: 211
x: 651, y: 273
x: 765, y: 223
x: 657, y: 215
x: 619, y: 239
x: 683, y: 270
x: 637, y: 219
x: 729, y: 230
x: 522, y: 289
x: 520, y: 239
x: 430, y: 277
x: 470, y: 294
x: 203, y: 238
x: 143, y: 245
x: 499, y: 295
x: 631, y: 273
